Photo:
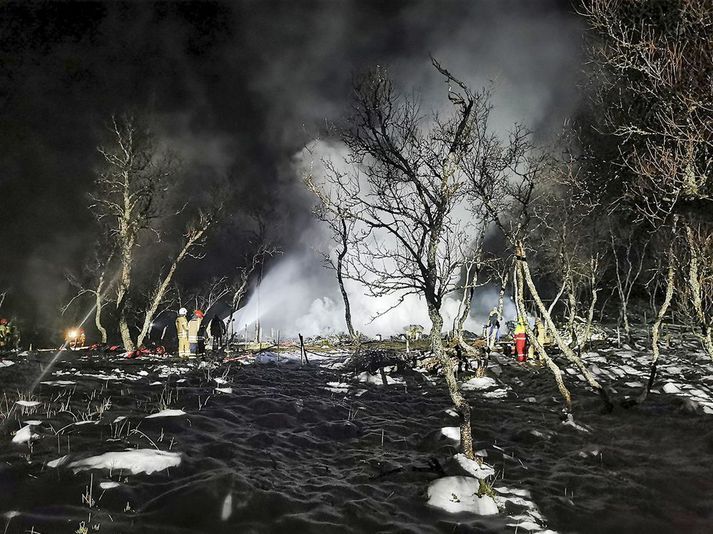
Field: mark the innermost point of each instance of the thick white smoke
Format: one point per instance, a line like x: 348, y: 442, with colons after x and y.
x: 529, y: 58
x: 299, y: 295
x: 296, y: 297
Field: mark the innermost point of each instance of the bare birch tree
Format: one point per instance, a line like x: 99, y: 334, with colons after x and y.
x: 193, y: 239
x: 404, y: 187
x: 629, y: 257
x: 697, y: 283
x: 96, y: 279
x: 507, y: 189
x: 652, y: 69
x: 128, y: 198
x: 342, y: 230
x: 473, y: 266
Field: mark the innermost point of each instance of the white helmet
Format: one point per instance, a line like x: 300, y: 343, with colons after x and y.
x: 182, y: 311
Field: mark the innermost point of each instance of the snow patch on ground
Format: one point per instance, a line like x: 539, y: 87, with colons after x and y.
x: 24, y: 435
x: 526, y: 516
x: 460, y: 494
x: 479, y: 470
x: 6, y: 363
x: 479, y: 383
x: 367, y: 378
x: 166, y: 413
x: 670, y: 387
x: 451, y: 432
x: 133, y: 460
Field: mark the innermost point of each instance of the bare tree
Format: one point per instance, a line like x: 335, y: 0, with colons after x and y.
x: 474, y: 263
x: 698, y: 283
x: 571, y: 244
x: 97, y: 273
x: 508, y: 187
x: 128, y: 197
x: 240, y: 284
x: 193, y: 239
x: 652, y: 81
x: 629, y: 255
x: 342, y: 229
x: 209, y: 294
x: 404, y: 187
x: 670, y: 281
x: 652, y: 64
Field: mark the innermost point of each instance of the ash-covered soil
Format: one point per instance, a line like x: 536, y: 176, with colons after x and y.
x: 280, y: 447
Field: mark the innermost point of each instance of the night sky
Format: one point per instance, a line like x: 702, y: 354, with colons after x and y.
x: 237, y: 89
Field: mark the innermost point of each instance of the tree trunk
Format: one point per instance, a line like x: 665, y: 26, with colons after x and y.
x: 542, y: 353
x: 192, y: 238
x: 98, y: 318
x: 340, y: 279
x: 99, y: 304
x: 566, y: 350
x: 464, y: 305
x: 125, y: 333
x: 471, y: 278
x: 461, y: 405
x: 590, y: 319
x: 594, y: 265
x: 519, y: 290
x: 655, y: 330
x: 694, y: 284
x: 501, y: 296
x: 625, y: 319
x: 572, y: 303
x: 554, y: 302
x: 500, y: 308
x: 127, y: 245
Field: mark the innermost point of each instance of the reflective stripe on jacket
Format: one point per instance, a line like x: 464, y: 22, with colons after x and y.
x: 193, y: 327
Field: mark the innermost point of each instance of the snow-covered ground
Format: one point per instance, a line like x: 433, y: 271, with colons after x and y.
x: 264, y: 444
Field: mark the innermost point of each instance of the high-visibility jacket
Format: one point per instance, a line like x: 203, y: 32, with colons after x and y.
x: 193, y: 326
x: 182, y: 327
x: 520, y: 339
x: 540, y: 331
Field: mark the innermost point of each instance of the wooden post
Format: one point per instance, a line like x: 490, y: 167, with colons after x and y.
x: 303, y: 352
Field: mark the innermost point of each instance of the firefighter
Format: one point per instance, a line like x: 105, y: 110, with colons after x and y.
x: 540, y: 335
x: 13, y: 335
x: 4, y: 333
x: 194, y: 326
x: 182, y: 331
x: 493, y: 327
x: 520, y: 339
x: 217, y: 331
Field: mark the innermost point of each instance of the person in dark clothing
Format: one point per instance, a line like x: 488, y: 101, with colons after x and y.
x: 217, y: 332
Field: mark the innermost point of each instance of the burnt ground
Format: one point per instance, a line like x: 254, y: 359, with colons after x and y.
x: 296, y: 456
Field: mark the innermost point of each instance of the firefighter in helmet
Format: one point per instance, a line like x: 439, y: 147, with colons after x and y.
x: 182, y: 331
x: 520, y: 339
x: 194, y: 325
